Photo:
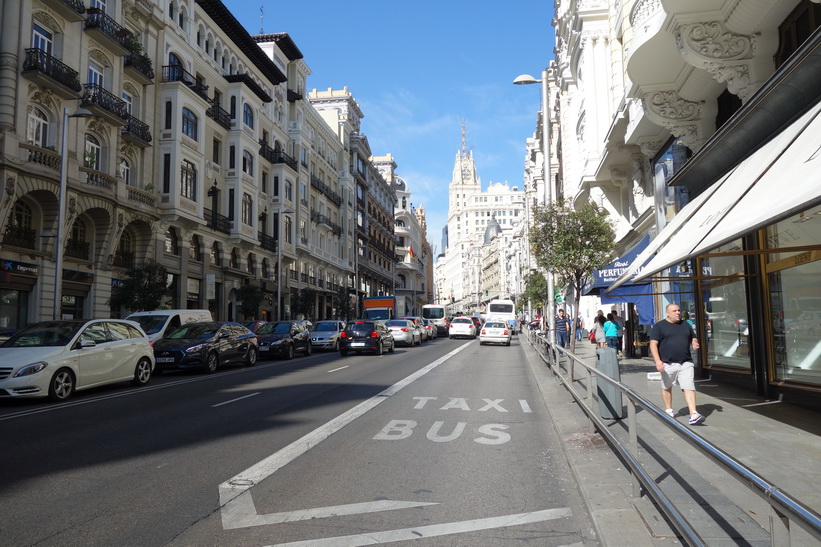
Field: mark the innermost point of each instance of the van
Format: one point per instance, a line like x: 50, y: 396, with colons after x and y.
x: 159, y: 323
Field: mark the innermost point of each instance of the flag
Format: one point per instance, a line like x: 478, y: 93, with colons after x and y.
x: 411, y: 254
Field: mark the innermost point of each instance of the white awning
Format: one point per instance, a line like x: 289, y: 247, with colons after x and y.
x: 779, y: 180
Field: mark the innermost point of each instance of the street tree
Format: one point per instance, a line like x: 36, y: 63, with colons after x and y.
x: 303, y: 303
x: 249, y: 298
x: 342, y: 303
x: 536, y: 289
x: 571, y: 243
x: 142, y: 288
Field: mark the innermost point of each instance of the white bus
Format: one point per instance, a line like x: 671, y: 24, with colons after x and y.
x: 502, y: 310
x: 437, y: 314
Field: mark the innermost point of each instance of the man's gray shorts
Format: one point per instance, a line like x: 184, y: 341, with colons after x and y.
x: 682, y: 374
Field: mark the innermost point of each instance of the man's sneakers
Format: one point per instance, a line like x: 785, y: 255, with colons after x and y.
x: 696, y: 419
x: 670, y: 412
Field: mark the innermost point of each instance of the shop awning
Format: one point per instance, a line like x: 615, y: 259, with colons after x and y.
x: 777, y: 181
x: 604, y: 277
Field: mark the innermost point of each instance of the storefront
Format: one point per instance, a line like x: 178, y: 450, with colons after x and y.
x: 17, y: 281
x: 750, y: 238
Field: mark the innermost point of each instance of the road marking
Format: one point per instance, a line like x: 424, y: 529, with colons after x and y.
x: 434, y: 530
x: 525, y: 406
x: 243, y: 513
x: 233, y: 488
x: 340, y: 368
x: 235, y: 400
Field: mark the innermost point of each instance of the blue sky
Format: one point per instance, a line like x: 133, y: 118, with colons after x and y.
x: 417, y: 69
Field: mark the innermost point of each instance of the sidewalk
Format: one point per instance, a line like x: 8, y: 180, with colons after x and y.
x: 778, y: 441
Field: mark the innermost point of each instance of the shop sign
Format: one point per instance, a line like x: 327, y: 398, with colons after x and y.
x: 210, y: 286
x: 21, y: 268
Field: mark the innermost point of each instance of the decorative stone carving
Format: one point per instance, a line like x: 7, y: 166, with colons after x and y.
x: 642, y: 10
x: 8, y: 191
x: 688, y: 132
x: 99, y: 57
x: 737, y: 78
x: 711, y: 41
x: 97, y: 125
x: 669, y: 106
x: 650, y: 146
x: 41, y: 95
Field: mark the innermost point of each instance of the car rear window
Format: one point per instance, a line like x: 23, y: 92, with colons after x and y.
x: 361, y: 327
x: 461, y: 320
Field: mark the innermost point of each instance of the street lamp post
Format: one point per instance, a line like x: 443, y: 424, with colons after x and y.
x: 280, y: 239
x: 61, y: 210
x: 526, y: 79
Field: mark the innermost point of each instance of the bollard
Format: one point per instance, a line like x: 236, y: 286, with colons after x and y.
x: 610, y: 400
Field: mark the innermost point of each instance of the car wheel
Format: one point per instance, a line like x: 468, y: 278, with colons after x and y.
x: 289, y: 351
x: 61, y: 386
x: 508, y: 342
x: 343, y: 352
x: 309, y: 350
x: 212, y: 361
x: 336, y: 345
x: 379, y: 348
x: 481, y: 343
x: 251, y: 357
x: 393, y: 347
x: 142, y: 373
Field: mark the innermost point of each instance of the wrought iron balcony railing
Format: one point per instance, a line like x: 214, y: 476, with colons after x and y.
x: 175, y: 73
x: 18, y: 236
x: 276, y: 156
x: 141, y: 63
x: 137, y: 129
x: 267, y: 242
x: 96, y: 96
x: 38, y: 60
x: 99, y: 20
x: 217, y: 221
x: 219, y: 114
x: 77, y: 249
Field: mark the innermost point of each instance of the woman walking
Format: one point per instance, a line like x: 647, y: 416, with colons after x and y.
x: 611, y: 332
x: 598, y: 326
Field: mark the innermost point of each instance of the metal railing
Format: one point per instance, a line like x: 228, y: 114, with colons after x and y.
x: 785, y: 508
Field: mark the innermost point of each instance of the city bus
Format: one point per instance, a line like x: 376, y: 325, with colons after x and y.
x: 437, y: 314
x: 502, y: 310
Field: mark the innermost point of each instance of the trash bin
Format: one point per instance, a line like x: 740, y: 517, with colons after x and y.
x: 610, y: 400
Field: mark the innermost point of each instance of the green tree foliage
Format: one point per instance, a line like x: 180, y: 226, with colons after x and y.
x: 142, y: 289
x: 571, y: 243
x: 303, y: 303
x: 536, y: 289
x: 342, y: 303
x: 249, y: 298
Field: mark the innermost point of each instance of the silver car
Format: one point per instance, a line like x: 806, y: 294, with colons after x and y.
x: 325, y: 334
x: 404, y: 332
x: 56, y: 358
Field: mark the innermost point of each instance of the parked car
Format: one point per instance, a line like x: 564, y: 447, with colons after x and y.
x: 56, y: 358
x: 284, y: 338
x: 207, y: 345
x: 254, y: 326
x: 404, y: 332
x: 160, y: 323
x: 361, y: 336
x: 477, y: 322
x: 419, y: 323
x: 433, y: 332
x: 325, y: 334
x: 495, y: 332
x: 462, y: 327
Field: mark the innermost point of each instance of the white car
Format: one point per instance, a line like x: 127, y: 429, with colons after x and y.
x: 325, y: 334
x: 404, y: 332
x: 55, y: 358
x: 495, y: 332
x: 462, y: 326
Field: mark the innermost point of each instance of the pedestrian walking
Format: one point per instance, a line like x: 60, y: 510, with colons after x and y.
x: 620, y: 324
x: 563, y: 329
x: 670, y: 343
x: 579, y: 327
x: 611, y: 330
x: 598, y: 325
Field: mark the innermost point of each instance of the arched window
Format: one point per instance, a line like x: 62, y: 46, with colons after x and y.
x: 93, y: 153
x: 248, y: 115
x: 247, y: 210
x: 194, y: 249
x: 188, y: 180
x: 22, y: 216
x: 124, y: 256
x: 247, y: 162
x: 172, y: 245
x: 189, y: 123
x: 37, y: 131
x: 125, y: 171
x: 401, y: 281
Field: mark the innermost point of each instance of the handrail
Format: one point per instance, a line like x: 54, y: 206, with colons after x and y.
x: 782, y: 504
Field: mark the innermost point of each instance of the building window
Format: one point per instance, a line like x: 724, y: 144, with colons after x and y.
x: 248, y: 115
x: 188, y: 180
x: 194, y: 249
x: 289, y: 190
x: 216, y: 146
x: 247, y: 162
x: 247, y: 210
x: 171, y: 242
x: 93, y: 152
x: 37, y: 131
x: 95, y: 74
x: 214, y: 257
x: 125, y: 171
x: 42, y: 39
x: 189, y: 123
x: 289, y: 225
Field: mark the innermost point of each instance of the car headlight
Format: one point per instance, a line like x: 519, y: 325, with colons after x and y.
x: 194, y: 349
x: 28, y: 370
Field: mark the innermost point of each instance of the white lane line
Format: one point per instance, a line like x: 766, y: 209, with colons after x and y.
x: 434, y: 530
x: 235, y: 400
x: 248, y: 517
x: 242, y: 482
x: 340, y: 368
x: 525, y: 406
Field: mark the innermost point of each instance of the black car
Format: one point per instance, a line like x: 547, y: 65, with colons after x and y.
x: 284, y: 338
x: 365, y: 335
x: 207, y: 345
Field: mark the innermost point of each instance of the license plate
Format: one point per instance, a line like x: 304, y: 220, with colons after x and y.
x: 357, y: 344
x: 164, y: 359
x: 264, y: 348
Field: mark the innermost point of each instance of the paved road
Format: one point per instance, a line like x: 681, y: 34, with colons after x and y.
x: 447, y: 444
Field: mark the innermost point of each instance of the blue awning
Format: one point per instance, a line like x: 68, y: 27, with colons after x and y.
x: 641, y: 295
x: 604, y: 277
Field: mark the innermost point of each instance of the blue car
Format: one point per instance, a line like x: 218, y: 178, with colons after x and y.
x: 284, y: 338
x: 207, y: 345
